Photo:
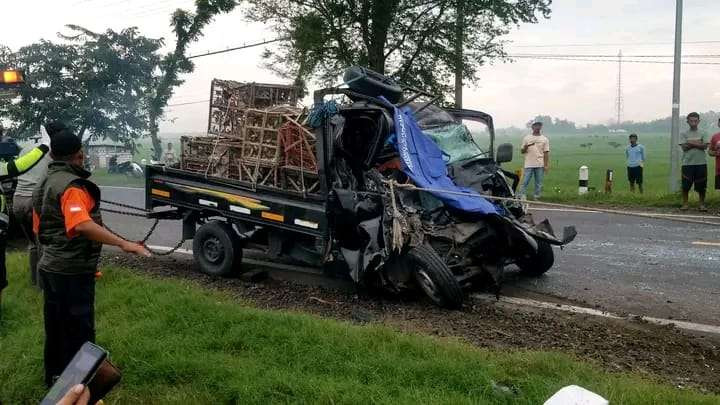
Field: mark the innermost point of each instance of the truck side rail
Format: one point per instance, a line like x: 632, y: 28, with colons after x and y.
x: 210, y: 197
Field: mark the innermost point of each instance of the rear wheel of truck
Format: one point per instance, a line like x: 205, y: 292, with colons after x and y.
x: 434, y: 277
x: 536, y: 265
x: 217, y: 249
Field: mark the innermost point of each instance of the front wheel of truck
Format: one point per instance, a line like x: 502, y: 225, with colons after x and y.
x: 538, y: 264
x: 434, y: 277
x: 217, y: 249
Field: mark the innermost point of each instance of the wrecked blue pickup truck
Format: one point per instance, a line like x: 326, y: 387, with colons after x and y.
x: 408, y: 196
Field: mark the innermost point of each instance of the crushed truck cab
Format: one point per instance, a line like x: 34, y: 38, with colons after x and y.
x: 399, y: 195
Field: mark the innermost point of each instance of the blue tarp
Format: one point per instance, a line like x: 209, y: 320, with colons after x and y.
x: 423, y: 161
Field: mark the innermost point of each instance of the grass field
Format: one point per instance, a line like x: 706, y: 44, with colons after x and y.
x: 102, y: 178
x: 561, y: 183
x: 177, y: 342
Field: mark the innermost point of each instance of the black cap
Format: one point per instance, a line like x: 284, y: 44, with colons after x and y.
x: 536, y: 123
x: 54, y: 127
x: 64, y: 143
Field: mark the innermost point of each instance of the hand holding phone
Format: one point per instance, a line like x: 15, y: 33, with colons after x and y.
x: 77, y: 395
x: 90, y: 368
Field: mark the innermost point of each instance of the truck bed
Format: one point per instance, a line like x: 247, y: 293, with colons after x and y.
x: 217, y: 197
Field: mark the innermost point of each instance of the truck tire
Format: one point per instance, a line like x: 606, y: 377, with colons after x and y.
x: 217, y: 249
x: 539, y: 263
x: 434, y: 277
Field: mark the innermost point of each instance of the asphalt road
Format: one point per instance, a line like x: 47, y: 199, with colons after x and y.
x: 617, y: 263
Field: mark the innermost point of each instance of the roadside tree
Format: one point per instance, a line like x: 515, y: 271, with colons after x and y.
x: 97, y: 83
x: 188, y: 27
x: 432, y: 44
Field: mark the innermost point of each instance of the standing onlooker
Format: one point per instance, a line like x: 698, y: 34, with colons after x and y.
x: 635, y: 154
x: 536, y: 148
x: 8, y: 171
x: 694, y: 165
x: 22, y: 201
x: 169, y: 158
x: 714, y: 150
x: 68, y: 225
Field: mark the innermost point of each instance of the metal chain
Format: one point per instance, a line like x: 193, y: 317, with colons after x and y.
x: 145, y: 239
x: 167, y: 252
x: 132, y: 214
x: 149, y: 233
x: 132, y: 207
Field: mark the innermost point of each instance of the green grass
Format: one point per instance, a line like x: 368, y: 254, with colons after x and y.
x: 102, y: 178
x: 177, y: 342
x: 566, y: 157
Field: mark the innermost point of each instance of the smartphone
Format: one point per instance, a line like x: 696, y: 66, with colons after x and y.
x: 81, y: 370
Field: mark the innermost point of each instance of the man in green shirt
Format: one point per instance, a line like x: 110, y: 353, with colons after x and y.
x: 694, y: 142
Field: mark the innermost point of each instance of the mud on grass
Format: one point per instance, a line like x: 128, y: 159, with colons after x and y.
x: 662, y: 353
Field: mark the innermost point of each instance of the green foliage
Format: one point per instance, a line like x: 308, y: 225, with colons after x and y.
x: 97, y: 83
x: 411, y: 40
x: 7, y: 58
x: 187, y: 27
x: 177, y: 342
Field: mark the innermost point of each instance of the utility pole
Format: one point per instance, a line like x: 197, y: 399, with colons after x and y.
x: 459, y: 48
x: 619, y: 101
x: 675, y: 134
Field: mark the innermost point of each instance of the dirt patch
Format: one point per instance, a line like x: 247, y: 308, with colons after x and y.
x: 659, y: 352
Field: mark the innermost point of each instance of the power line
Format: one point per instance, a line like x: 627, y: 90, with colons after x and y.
x: 187, y: 103
x: 237, y: 48
x: 609, y: 61
x: 608, y: 44
x: 611, y: 56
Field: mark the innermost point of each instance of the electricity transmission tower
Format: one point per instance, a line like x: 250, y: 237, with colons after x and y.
x: 619, y: 101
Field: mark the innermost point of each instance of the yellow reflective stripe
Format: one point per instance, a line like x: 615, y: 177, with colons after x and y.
x: 3, y: 169
x: 26, y: 161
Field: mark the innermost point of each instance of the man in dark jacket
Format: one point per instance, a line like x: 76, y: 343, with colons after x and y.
x: 68, y: 224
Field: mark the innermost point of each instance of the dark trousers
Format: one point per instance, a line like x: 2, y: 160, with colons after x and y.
x: 22, y: 214
x: 3, y: 267
x: 69, y: 312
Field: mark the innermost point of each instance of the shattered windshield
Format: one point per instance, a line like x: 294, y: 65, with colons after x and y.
x: 464, y: 141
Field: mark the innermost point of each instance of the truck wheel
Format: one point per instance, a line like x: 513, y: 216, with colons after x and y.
x: 217, y: 249
x: 539, y: 263
x: 434, y: 277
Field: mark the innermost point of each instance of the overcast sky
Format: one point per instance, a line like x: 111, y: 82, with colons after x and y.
x: 512, y: 92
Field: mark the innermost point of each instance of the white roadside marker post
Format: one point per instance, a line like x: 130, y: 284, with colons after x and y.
x: 583, y: 180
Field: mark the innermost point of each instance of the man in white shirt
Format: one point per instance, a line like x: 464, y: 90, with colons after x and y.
x: 536, y: 148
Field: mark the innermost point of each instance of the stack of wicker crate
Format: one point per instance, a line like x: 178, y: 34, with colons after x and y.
x: 255, y: 136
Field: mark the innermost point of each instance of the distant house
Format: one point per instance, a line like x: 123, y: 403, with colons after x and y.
x: 100, y: 153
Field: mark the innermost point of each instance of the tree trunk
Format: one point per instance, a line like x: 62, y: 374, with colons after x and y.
x: 81, y: 134
x: 154, y: 129
x: 381, y: 17
x: 459, y: 43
